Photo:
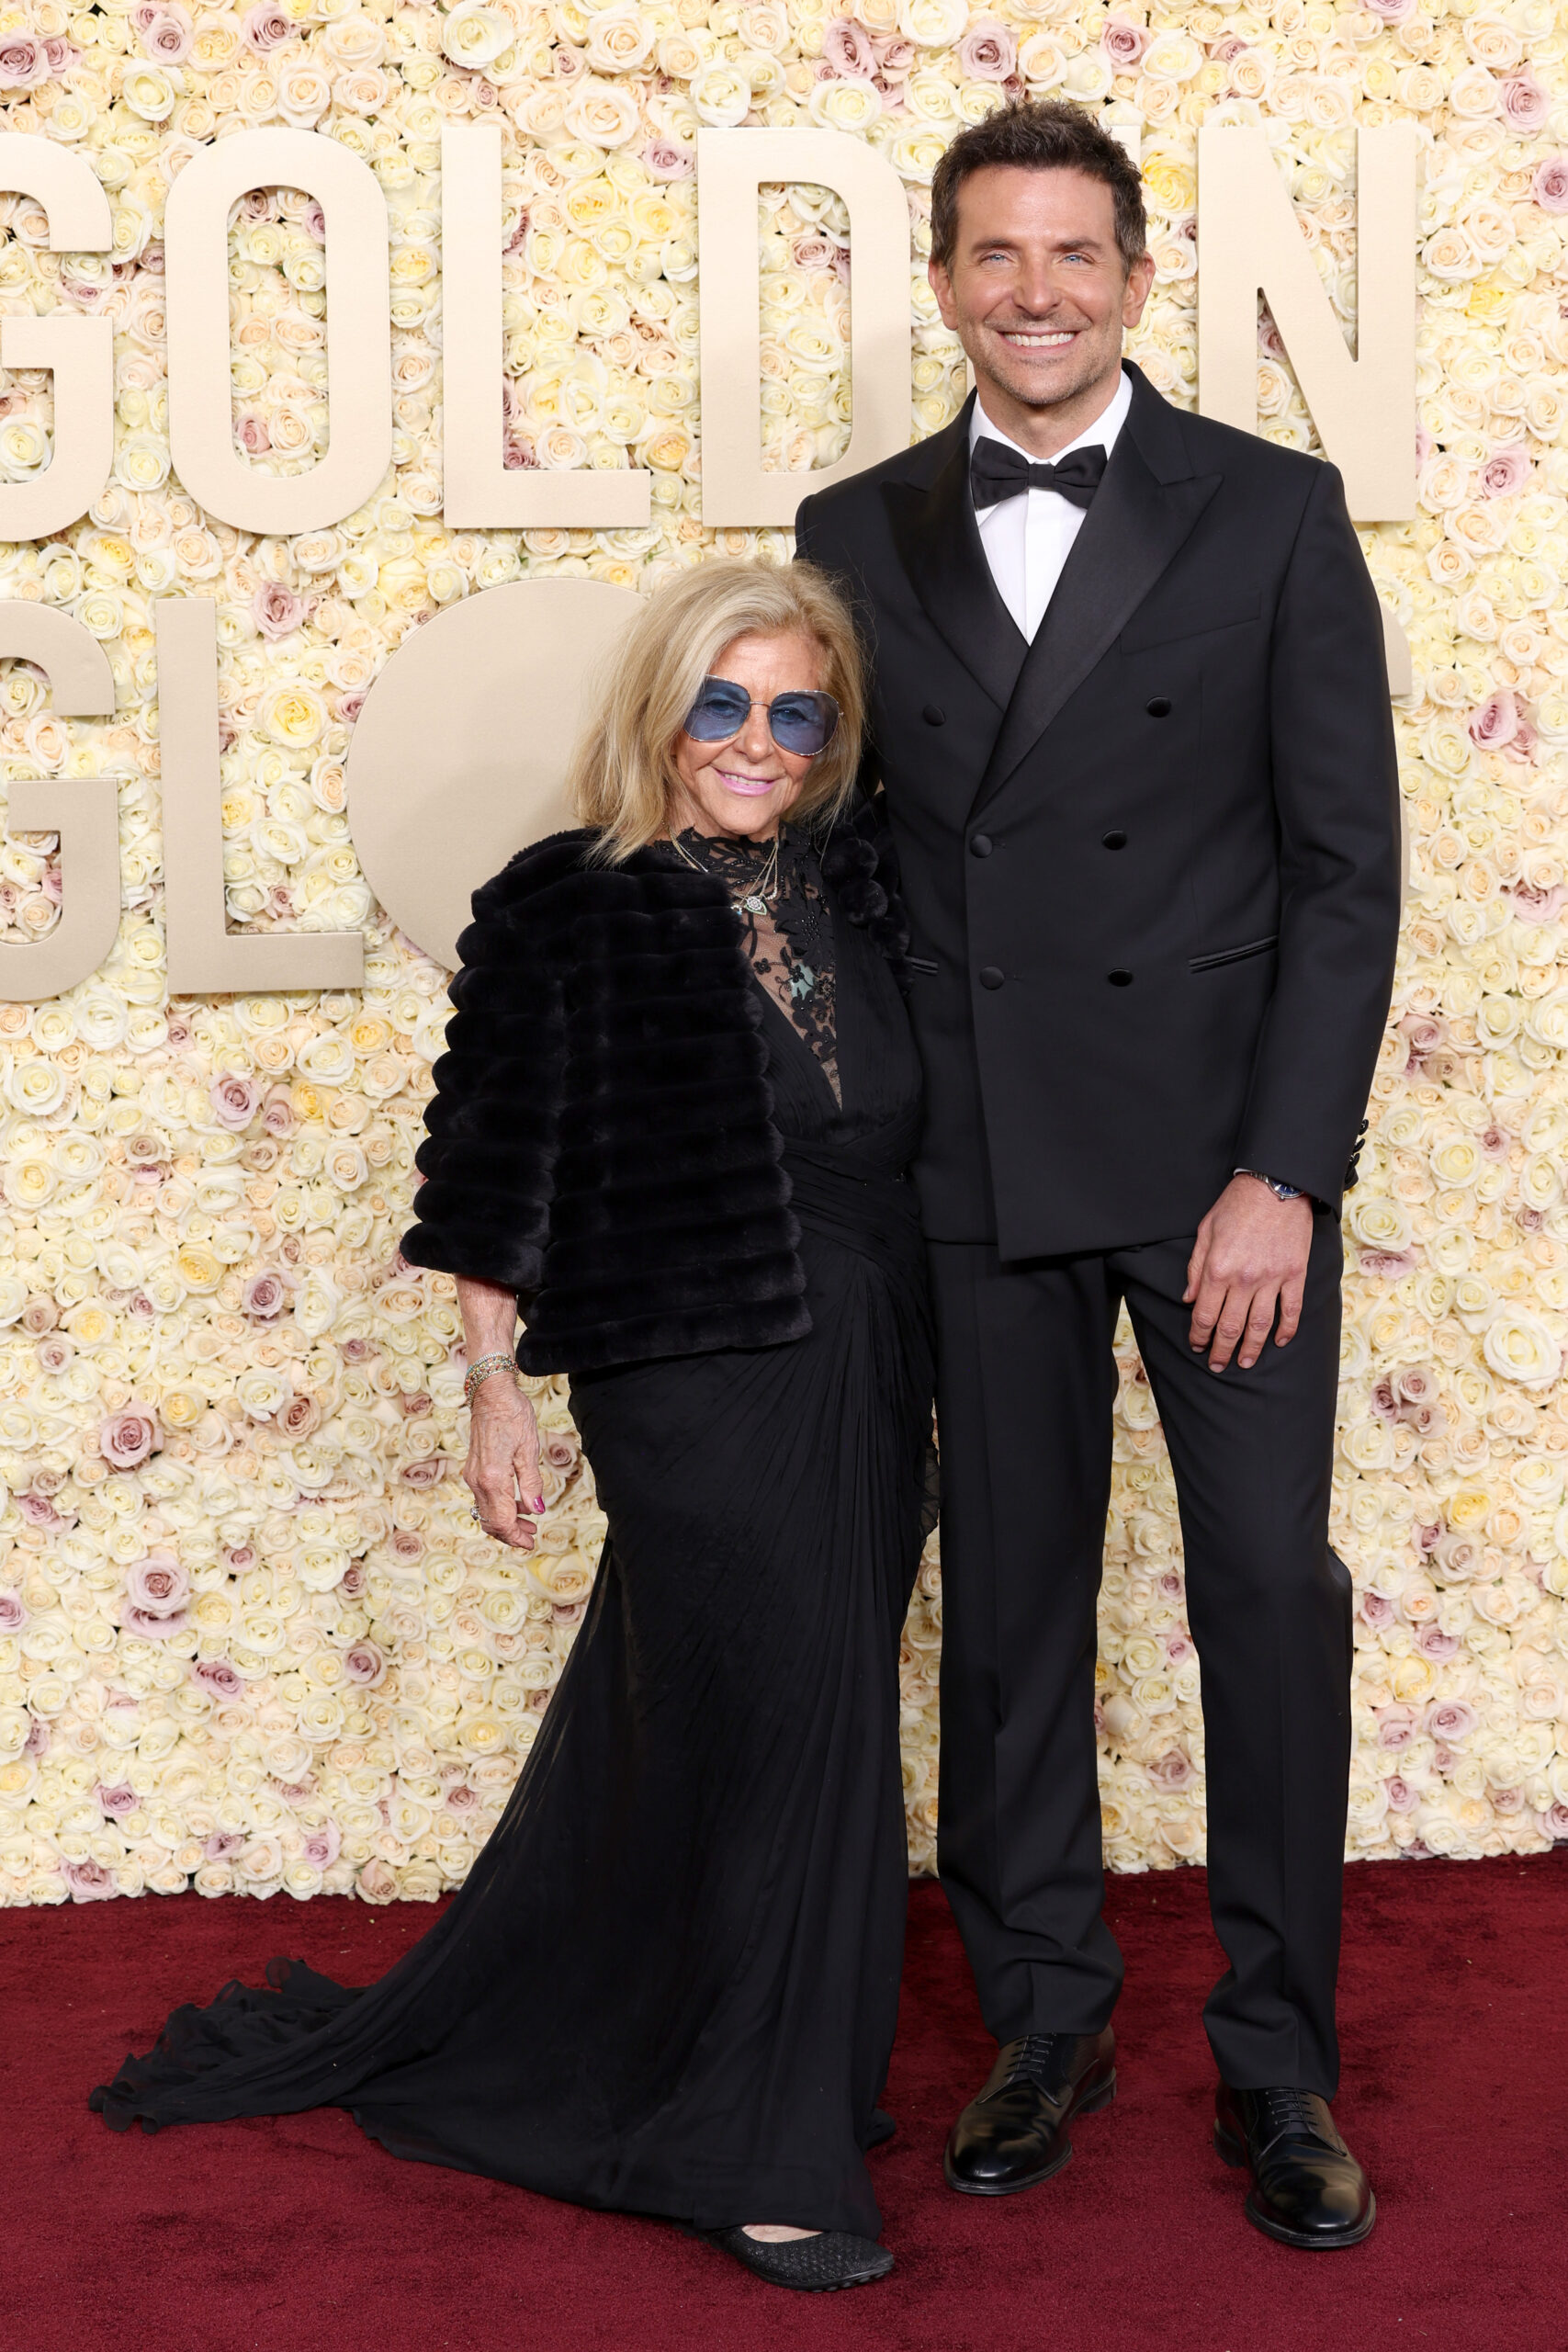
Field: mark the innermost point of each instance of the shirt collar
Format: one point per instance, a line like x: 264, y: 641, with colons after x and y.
x: 1100, y: 434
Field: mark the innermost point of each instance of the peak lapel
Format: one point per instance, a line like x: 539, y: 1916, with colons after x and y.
x: 1141, y: 513
x: 939, y: 544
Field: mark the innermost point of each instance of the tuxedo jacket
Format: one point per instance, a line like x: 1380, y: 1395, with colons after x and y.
x: 1151, y: 862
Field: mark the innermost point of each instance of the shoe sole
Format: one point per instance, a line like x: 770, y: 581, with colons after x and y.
x: 1092, y: 2106
x: 1231, y: 2152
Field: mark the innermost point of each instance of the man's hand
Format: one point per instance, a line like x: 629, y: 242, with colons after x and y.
x: 1250, y: 1259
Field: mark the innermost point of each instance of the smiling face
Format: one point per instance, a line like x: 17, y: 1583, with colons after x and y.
x: 746, y: 786
x: 1040, y: 297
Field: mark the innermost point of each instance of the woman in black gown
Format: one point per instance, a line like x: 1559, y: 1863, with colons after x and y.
x: 673, y: 1126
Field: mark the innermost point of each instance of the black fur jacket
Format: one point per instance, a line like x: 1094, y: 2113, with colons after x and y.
x: 600, y: 1140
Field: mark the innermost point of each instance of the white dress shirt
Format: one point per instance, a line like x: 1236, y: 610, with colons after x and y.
x: 1027, y: 540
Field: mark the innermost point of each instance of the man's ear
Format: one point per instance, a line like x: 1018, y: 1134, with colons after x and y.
x: 1136, y: 293
x: 941, y: 286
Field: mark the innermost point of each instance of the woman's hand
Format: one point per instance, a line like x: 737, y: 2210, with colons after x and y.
x: 502, y: 1468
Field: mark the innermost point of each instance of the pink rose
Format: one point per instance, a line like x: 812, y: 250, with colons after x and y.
x: 353, y: 1579
x: 234, y: 1101
x: 847, y: 47
x: 814, y: 252
x: 278, y: 1116
x: 560, y: 1449
x: 265, y: 28
x: 462, y: 1798
x: 22, y: 61
x: 894, y: 56
x: 1550, y: 186
x: 1174, y: 1770
x: 428, y: 1471
x: 1495, y: 1142
x: 159, y: 1591
x: 1505, y: 470
x: 1496, y: 722
x: 324, y: 1846
x: 1456, y: 1558
x: 218, y: 1679
x: 165, y: 32
x: 987, y: 53
x: 38, y: 1511
x: 1531, y: 905
x: 1396, y: 1727
x: 1434, y: 1644
x: 38, y: 1316
x: 276, y: 610
x: 299, y: 1418
x: 221, y: 1844
x: 364, y: 1664
x: 1450, y: 1720
x: 1383, y: 1402
x: 38, y: 1737
x: 126, y: 1438
x: 1376, y: 1609
x: 1524, y: 104
x: 159, y: 1584
x: 253, y: 435
x: 60, y: 56
x: 266, y: 1295
x: 1416, y: 1384
x: 1124, y: 44
x: 1391, y: 12
x: 55, y: 1352
x: 407, y: 1544
x: 122, y: 1799
x: 88, y: 1882
x: 1402, y: 1797
x: 1386, y: 1265
x: 13, y: 1616
x: 667, y: 159
x: 315, y: 222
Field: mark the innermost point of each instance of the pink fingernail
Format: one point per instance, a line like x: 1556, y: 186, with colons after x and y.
x: 539, y: 1502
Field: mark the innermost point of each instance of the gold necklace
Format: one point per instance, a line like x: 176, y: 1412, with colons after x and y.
x: 755, y: 901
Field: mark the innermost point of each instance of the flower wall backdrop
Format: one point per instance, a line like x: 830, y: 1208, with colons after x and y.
x: 249, y: 1638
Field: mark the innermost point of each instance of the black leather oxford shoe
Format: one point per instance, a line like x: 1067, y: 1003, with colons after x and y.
x: 1015, y: 2134
x: 1307, y: 2188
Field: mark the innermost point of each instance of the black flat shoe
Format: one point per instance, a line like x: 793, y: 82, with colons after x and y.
x: 814, y: 2266
x: 1014, y: 2134
x: 1307, y: 2188
x: 882, y: 2130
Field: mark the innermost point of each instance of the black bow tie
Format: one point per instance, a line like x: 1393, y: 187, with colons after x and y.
x: 997, y: 472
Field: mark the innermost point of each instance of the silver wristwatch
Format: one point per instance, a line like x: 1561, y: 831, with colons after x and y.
x: 1280, y: 1192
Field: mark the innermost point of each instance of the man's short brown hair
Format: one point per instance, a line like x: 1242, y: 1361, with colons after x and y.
x: 1041, y: 135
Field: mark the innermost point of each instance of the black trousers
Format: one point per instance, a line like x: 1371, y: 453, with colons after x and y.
x: 1026, y: 1384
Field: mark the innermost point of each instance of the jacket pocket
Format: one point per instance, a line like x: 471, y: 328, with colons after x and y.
x: 921, y: 964
x: 1234, y: 954
x: 1142, y: 635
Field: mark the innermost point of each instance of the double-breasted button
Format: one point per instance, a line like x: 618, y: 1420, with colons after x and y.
x: 1159, y: 707
x: 991, y: 976
x: 1114, y: 839
x: 933, y: 717
x: 981, y: 845
x: 1120, y: 978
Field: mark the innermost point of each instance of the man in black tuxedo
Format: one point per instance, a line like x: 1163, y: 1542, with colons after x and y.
x: 1130, y: 713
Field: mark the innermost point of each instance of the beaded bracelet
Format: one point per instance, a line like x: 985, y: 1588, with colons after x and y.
x: 483, y: 1370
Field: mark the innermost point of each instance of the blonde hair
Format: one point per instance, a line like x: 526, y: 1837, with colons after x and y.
x: 623, y: 775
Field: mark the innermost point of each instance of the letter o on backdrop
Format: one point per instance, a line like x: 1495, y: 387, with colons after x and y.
x: 458, y: 757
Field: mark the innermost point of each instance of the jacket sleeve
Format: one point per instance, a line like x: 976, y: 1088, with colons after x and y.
x: 488, y: 1156
x: 1337, y: 804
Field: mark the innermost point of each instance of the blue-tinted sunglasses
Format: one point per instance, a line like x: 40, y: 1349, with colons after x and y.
x: 803, y: 723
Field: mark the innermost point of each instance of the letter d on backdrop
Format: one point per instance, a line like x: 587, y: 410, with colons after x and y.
x: 731, y: 167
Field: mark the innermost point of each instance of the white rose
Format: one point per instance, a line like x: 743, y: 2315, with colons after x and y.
x: 1518, y: 1345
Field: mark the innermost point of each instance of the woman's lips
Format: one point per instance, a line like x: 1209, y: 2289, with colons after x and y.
x: 755, y: 788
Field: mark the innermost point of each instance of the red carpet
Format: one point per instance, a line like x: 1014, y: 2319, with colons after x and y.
x: 298, y: 2235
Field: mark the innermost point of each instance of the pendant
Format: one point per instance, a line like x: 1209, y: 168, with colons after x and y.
x: 752, y: 905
